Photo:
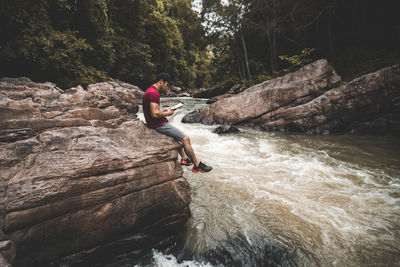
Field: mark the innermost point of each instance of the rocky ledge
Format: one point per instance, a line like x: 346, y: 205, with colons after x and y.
x: 82, y: 179
x: 313, y: 100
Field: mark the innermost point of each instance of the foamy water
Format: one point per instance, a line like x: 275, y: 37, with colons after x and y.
x: 161, y: 260
x: 311, y: 200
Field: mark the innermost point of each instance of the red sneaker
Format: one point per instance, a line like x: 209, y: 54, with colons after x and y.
x: 186, y: 162
x: 201, y: 168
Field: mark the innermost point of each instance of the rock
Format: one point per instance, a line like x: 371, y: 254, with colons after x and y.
x: 168, y: 93
x: 369, y: 104
x: 269, y: 97
x: 4, y: 262
x: 7, y: 253
x: 28, y: 109
x: 236, y: 89
x: 313, y: 100
x: 175, y: 91
x: 226, y: 129
x: 7, y: 250
x: 109, y: 93
x: 133, y: 88
x: 218, y: 98
x: 216, y: 90
x: 81, y: 175
x: 15, y: 134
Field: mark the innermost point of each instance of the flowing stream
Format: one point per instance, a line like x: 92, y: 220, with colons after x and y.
x: 276, y: 199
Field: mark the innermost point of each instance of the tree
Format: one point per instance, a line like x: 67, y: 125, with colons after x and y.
x: 75, y: 42
x: 225, y: 20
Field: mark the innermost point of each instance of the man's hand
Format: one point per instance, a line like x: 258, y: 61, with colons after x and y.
x: 156, y: 113
x: 168, y: 112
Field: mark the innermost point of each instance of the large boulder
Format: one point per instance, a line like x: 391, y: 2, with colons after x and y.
x: 270, y: 96
x: 175, y: 91
x: 29, y: 108
x: 313, y: 100
x: 117, y: 84
x: 218, y: 98
x: 216, y: 90
x: 80, y: 175
x: 226, y: 129
x: 7, y: 250
x: 369, y: 104
x: 237, y: 88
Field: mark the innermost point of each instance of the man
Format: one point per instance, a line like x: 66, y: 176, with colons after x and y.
x: 156, y: 119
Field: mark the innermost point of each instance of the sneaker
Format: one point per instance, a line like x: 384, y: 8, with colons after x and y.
x: 201, y: 168
x: 187, y: 162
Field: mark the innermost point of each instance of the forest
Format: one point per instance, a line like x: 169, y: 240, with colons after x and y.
x: 200, y: 43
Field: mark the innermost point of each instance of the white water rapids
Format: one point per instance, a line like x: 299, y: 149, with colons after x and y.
x: 312, y: 200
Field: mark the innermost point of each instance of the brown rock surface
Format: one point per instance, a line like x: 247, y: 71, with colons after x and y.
x: 133, y: 88
x: 175, y: 91
x: 32, y: 107
x: 313, y: 100
x: 218, y: 98
x: 216, y: 90
x: 270, y: 96
x: 79, y: 171
x: 7, y: 250
x: 237, y: 88
x: 369, y: 104
x: 225, y: 129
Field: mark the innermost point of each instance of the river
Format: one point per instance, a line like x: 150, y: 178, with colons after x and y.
x: 277, y: 199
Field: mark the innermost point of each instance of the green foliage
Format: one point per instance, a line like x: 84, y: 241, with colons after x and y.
x: 61, y: 56
x: 75, y: 42
x: 355, y: 36
x: 203, y: 70
x: 306, y: 56
x: 91, y: 18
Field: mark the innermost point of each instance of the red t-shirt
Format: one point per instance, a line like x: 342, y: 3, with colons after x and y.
x: 152, y: 95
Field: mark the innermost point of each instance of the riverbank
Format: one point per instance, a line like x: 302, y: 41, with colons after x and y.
x: 82, y: 179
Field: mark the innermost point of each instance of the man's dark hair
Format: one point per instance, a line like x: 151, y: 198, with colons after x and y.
x: 165, y: 77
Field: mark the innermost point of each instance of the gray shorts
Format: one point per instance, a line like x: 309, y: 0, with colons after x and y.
x: 170, y: 130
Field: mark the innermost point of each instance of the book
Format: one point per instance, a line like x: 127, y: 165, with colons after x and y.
x: 178, y: 106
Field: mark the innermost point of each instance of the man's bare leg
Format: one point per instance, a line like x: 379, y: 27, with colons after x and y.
x: 189, y: 150
x: 182, y: 153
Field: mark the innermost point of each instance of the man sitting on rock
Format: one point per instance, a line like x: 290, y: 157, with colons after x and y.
x: 156, y: 119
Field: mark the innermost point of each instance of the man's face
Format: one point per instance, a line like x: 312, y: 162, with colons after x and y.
x: 164, y: 86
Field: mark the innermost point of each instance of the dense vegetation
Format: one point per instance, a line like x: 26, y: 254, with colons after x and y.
x: 274, y: 36
x: 74, y: 42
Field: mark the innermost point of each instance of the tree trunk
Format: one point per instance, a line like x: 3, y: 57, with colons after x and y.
x: 273, y: 40
x: 240, y: 69
x: 245, y: 55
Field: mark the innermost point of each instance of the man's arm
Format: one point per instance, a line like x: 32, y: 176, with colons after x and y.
x: 156, y: 113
